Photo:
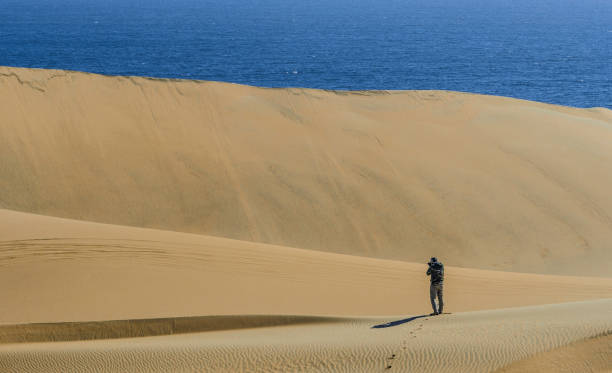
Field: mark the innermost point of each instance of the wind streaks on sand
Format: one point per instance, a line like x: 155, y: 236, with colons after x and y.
x: 481, y: 341
x: 592, y: 354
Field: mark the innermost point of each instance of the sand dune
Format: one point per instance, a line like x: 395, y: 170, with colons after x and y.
x: 252, y: 229
x: 481, y: 181
x: 58, y: 276
x: 60, y: 270
x: 481, y: 341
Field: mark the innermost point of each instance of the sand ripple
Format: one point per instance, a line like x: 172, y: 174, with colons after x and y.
x: 482, y: 341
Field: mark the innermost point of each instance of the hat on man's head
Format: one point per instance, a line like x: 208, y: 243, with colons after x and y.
x: 433, y: 259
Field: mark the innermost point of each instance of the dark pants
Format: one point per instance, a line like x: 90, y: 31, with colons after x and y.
x: 435, y: 290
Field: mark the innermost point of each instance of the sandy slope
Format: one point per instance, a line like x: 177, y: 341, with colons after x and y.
x: 157, y: 285
x: 54, y: 270
x: 481, y: 181
x: 481, y: 341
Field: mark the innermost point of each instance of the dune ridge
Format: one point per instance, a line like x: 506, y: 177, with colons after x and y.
x: 481, y: 181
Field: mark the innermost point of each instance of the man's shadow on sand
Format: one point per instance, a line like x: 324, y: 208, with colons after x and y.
x: 398, y: 322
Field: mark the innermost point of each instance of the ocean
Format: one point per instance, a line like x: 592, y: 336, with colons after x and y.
x: 555, y: 51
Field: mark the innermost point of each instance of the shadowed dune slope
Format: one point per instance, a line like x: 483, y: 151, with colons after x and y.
x: 61, y: 270
x: 111, y: 329
x: 480, y: 181
x: 481, y: 341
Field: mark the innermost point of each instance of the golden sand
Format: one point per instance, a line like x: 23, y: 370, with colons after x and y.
x: 481, y: 181
x: 151, y: 225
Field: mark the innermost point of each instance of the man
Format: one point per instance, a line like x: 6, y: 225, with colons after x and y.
x: 436, y: 271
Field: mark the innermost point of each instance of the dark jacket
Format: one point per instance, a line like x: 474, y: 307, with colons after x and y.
x: 436, y: 271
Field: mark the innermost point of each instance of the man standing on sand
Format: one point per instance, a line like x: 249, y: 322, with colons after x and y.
x: 436, y: 271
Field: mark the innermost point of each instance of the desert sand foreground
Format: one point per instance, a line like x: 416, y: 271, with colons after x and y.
x: 482, y: 181
x: 570, y: 337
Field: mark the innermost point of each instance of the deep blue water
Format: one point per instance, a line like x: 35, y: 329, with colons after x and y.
x: 557, y: 51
